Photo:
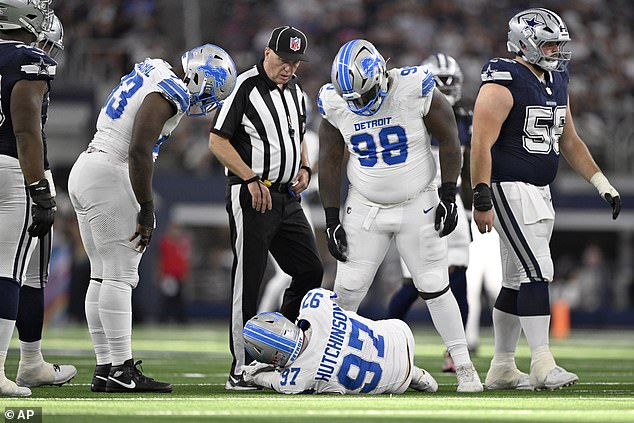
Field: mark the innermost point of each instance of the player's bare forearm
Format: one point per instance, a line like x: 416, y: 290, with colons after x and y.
x: 26, y: 106
x: 466, y: 193
x: 148, y: 124
x: 576, y: 152
x: 480, y: 164
x: 441, y: 122
x: 331, y: 150
x: 229, y: 157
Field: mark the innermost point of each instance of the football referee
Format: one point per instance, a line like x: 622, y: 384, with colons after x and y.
x: 258, y: 136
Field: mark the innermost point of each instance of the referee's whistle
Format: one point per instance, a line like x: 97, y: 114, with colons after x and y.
x: 267, y: 183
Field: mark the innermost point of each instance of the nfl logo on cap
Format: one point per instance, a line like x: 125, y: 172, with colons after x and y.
x: 296, y: 43
x: 289, y: 43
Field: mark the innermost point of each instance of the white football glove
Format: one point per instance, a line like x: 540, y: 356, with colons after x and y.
x: 249, y: 372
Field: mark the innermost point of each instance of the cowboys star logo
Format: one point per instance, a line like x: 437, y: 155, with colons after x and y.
x: 43, y: 67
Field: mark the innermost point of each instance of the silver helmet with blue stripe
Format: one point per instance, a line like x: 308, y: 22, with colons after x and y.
x: 210, y: 76
x: 271, y: 338
x: 359, y: 75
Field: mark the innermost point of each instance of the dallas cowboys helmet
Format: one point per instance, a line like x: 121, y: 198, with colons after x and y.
x: 271, y: 338
x: 530, y: 29
x: 52, y: 41
x: 33, y: 15
x: 210, y: 76
x: 359, y: 75
x: 447, y: 74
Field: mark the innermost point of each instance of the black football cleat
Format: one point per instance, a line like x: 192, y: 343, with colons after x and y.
x: 128, y: 378
x: 100, y: 377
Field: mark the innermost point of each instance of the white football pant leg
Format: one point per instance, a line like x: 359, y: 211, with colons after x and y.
x: 368, y: 242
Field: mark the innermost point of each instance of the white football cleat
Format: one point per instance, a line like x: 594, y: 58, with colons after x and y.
x: 506, y: 376
x: 557, y: 378
x: 8, y: 388
x: 468, y: 379
x: 423, y: 381
x: 44, y: 374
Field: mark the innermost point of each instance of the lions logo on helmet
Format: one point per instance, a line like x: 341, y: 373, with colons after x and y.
x: 447, y: 74
x: 210, y: 76
x: 530, y: 29
x: 359, y: 76
x: 271, y: 338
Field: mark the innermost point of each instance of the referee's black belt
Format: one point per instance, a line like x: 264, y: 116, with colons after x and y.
x: 280, y: 187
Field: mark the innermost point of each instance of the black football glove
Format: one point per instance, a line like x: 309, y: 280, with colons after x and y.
x: 43, y: 209
x: 145, y: 226
x: 337, y: 241
x: 615, y: 202
x: 447, y: 210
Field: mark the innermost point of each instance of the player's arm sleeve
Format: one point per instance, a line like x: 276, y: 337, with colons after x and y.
x: 36, y: 65
x: 175, y: 92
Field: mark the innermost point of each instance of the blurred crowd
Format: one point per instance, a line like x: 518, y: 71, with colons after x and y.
x: 104, y: 37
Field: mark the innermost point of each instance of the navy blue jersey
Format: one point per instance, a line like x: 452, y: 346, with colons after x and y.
x: 464, y: 120
x: 19, y: 61
x: 527, y: 149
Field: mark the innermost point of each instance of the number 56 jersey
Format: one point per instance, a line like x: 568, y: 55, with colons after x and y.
x: 390, y: 156
x: 347, y: 353
x: 117, y: 116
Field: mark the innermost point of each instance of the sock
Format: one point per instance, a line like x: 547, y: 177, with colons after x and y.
x: 115, y: 312
x: 31, y: 353
x: 533, y: 308
x: 402, y: 301
x: 3, y: 357
x: 446, y: 317
x: 30, y: 314
x: 458, y: 284
x: 95, y: 328
x: 506, y: 323
x: 6, y: 331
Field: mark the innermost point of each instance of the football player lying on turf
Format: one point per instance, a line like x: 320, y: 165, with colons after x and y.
x: 331, y: 350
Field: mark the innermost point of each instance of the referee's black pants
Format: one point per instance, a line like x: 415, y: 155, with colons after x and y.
x: 285, y: 232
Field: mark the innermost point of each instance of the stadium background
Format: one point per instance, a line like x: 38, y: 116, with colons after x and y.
x: 103, y: 38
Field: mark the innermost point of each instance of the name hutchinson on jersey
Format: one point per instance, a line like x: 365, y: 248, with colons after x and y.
x: 334, y: 345
x: 390, y: 156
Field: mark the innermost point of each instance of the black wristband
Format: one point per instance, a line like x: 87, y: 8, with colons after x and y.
x: 448, y: 192
x: 40, y: 193
x: 145, y: 217
x: 482, y: 197
x: 255, y: 178
x: 332, y: 216
x: 309, y: 170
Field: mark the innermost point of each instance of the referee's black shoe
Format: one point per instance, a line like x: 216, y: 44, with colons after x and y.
x: 128, y: 378
x: 100, y: 377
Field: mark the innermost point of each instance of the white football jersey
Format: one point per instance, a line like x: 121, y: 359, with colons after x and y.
x: 346, y: 353
x: 390, y: 157
x: 116, y: 119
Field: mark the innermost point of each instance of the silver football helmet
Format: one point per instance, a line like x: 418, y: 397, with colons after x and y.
x: 52, y: 41
x: 359, y: 75
x: 210, y: 76
x: 530, y: 29
x: 271, y: 338
x: 35, y: 16
x: 447, y: 74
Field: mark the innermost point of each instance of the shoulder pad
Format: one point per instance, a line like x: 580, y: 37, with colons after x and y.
x: 325, y: 92
x: 498, y: 70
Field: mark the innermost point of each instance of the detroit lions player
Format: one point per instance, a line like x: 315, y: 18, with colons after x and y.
x: 522, y: 121
x: 448, y: 78
x: 26, y: 192
x: 110, y: 187
x: 384, y: 119
x: 331, y: 350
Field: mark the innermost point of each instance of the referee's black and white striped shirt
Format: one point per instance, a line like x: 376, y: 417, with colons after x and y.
x: 265, y: 124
